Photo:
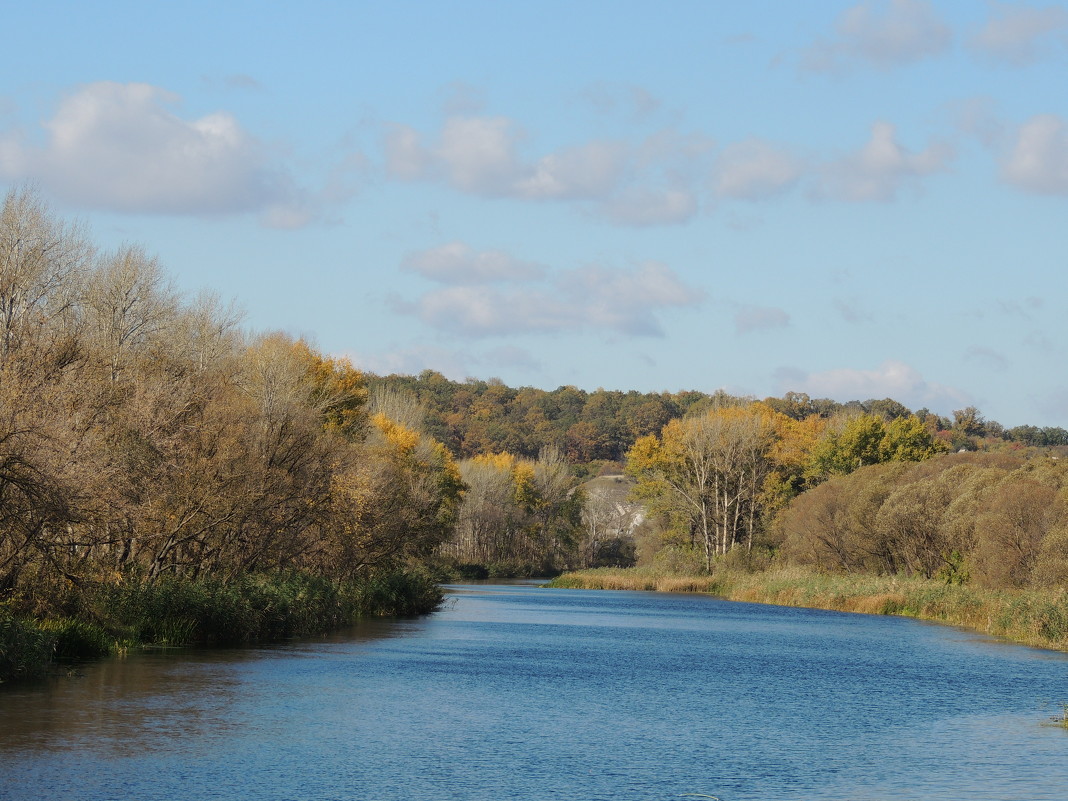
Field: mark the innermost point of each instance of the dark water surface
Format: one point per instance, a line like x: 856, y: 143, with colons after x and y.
x: 516, y: 692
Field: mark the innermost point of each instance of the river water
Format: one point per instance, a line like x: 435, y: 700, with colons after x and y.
x: 519, y: 692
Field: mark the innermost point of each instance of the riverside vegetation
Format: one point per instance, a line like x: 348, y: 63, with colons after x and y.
x: 1034, y: 618
x: 972, y: 539
x: 168, y: 477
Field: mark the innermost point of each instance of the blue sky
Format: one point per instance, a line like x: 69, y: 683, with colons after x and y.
x: 852, y: 200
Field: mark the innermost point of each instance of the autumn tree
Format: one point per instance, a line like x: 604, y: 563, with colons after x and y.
x: 859, y: 440
x: 396, y: 498
x: 517, y: 514
x: 707, y: 472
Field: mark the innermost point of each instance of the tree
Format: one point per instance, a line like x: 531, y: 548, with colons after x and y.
x: 129, y: 303
x: 1011, y: 528
x: 707, y: 472
x: 865, y: 439
x: 887, y: 408
x: 969, y: 422
x: 608, y: 525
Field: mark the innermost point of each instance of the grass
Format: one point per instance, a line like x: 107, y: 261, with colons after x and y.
x: 25, y: 649
x: 1030, y: 617
x: 114, y: 617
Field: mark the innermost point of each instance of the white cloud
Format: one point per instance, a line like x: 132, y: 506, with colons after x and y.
x: 755, y: 170
x: 878, y: 170
x: 591, y: 298
x: 588, y: 171
x: 459, y: 263
x: 122, y: 147
x: 478, y: 154
x: 884, y: 35
x: 1019, y: 35
x: 892, y: 379
x: 1038, y: 161
x: 759, y: 318
x: 652, y: 182
x: 625, y: 300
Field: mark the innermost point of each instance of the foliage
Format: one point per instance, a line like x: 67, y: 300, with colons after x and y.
x: 1034, y: 618
x: 866, y: 439
x: 518, y: 517
x: 149, y: 447
x: 176, y: 611
x: 983, y: 518
x: 709, y: 474
x: 25, y: 649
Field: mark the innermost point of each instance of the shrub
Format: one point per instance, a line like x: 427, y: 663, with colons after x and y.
x: 25, y: 649
x: 77, y: 639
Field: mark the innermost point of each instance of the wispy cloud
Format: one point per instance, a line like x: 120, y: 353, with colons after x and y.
x: 652, y: 181
x: 891, y: 379
x: 1019, y: 35
x: 590, y: 298
x: 1038, y: 159
x: 632, y: 102
x: 760, y: 318
x: 852, y: 310
x: 881, y: 35
x: 459, y: 263
x: 987, y: 358
x: 879, y: 169
x: 414, y: 359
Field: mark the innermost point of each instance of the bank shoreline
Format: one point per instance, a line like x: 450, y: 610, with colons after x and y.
x: 1027, y: 617
x: 111, y: 619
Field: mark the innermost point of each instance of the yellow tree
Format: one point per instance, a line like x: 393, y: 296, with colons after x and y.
x: 708, y: 472
x: 397, y: 498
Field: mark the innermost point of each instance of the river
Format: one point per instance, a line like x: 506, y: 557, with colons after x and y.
x: 518, y: 692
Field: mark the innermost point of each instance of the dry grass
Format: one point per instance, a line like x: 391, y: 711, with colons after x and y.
x: 1030, y: 617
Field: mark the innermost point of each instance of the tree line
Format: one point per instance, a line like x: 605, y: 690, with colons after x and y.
x: 475, y: 417
x: 996, y: 519
x: 146, y: 437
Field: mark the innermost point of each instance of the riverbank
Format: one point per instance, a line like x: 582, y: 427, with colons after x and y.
x: 1038, y: 619
x: 112, y: 618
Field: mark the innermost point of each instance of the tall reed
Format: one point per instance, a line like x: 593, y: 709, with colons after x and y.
x: 175, y: 612
x: 1026, y: 616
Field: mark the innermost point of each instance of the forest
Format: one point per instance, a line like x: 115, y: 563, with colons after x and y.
x: 168, y: 476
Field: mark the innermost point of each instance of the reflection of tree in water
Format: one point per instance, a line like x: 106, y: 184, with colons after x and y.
x: 168, y: 701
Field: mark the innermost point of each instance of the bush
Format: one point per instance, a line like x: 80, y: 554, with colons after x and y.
x: 25, y: 649
x: 77, y: 639
x: 175, y: 611
x: 399, y: 592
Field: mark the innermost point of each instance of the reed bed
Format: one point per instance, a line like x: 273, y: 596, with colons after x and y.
x: 1030, y: 617
x: 113, y: 618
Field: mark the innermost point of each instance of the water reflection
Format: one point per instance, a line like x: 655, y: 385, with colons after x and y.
x: 513, y: 692
x: 156, y: 700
